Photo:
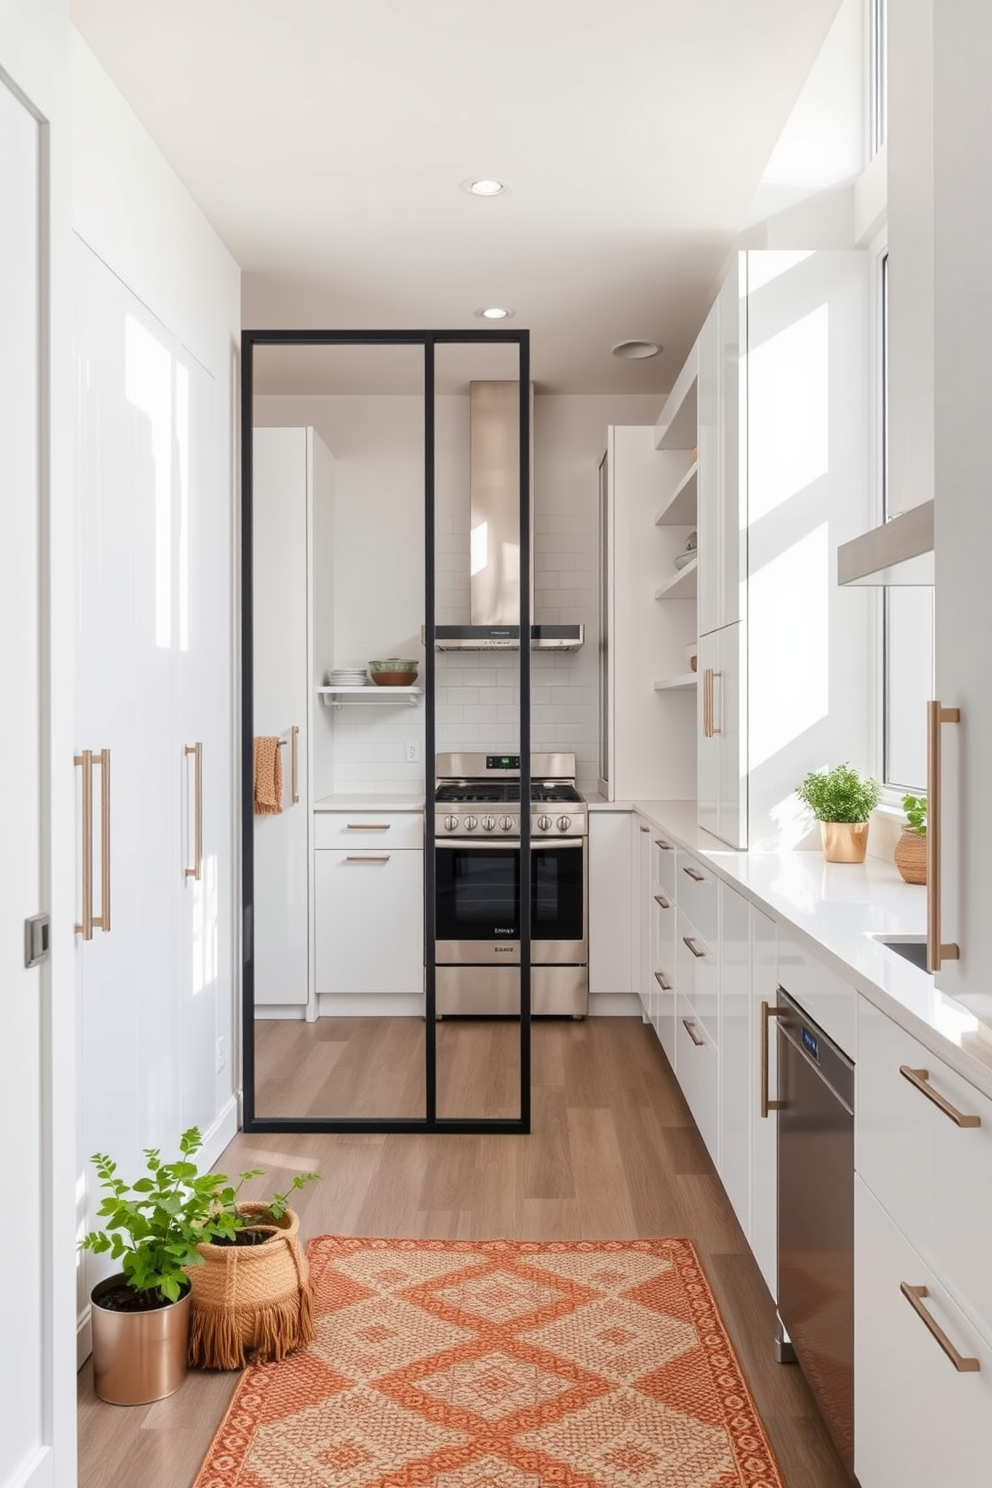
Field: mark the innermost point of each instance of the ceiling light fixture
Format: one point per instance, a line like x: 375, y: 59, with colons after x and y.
x: 485, y: 186
x: 635, y: 351
x: 494, y: 312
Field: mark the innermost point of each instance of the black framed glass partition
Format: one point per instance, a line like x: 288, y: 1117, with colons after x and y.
x: 367, y: 458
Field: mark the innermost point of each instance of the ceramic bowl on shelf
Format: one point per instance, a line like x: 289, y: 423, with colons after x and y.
x: 393, y: 671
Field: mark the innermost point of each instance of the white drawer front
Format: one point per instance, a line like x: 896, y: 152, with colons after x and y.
x: 933, y: 1176
x: 369, y: 933
x: 698, y: 1063
x: 918, y: 1421
x: 698, y: 895
x: 368, y: 830
x: 664, y: 864
x: 825, y: 996
x: 698, y: 973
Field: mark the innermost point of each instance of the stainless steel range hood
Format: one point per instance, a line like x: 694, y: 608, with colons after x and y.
x: 900, y: 551
x: 494, y: 499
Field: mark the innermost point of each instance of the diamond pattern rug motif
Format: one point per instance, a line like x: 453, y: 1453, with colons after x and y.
x: 499, y: 1364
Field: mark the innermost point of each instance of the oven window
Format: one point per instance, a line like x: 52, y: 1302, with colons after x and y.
x: 556, y: 894
x: 477, y: 894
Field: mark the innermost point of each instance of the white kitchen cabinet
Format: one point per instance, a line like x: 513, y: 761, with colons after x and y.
x: 763, y: 1233
x: 646, y: 735
x: 736, y: 1015
x: 369, y: 921
x: 919, y: 1420
x: 722, y: 732
x: 664, y: 958
x: 154, y: 649
x: 611, y: 905
x: 644, y: 983
x: 698, y: 1062
x: 292, y: 477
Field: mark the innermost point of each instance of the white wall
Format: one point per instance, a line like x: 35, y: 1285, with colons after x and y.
x: 378, y: 576
x: 131, y: 209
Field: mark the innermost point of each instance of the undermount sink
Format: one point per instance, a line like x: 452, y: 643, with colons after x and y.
x: 912, y: 948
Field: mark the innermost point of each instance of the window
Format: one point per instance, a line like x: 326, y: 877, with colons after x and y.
x: 877, y: 54
x: 907, y: 629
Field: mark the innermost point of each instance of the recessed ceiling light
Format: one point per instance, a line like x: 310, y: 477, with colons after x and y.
x: 635, y: 351
x: 494, y: 312
x: 485, y: 186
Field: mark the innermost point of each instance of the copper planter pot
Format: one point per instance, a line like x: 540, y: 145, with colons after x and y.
x: 844, y: 842
x: 138, y: 1357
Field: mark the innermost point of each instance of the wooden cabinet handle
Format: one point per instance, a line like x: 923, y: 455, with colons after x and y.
x: 937, y: 952
x: 914, y: 1296
x: 368, y: 858
x: 665, y: 846
x: 294, y: 765
x: 696, y: 877
x: 196, y: 750
x: 920, y: 1080
x: 367, y: 827
x: 767, y: 1013
x: 660, y: 979
x: 689, y: 1024
x: 689, y: 941
x: 662, y: 902
x: 88, y: 920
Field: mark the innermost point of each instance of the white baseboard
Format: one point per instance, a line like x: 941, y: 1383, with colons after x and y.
x: 614, y: 1005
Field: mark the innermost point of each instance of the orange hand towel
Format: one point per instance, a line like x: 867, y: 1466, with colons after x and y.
x: 268, y: 776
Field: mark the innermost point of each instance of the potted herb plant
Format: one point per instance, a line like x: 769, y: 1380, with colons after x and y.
x: 144, y: 1316
x: 842, y: 800
x: 141, y: 1314
x: 910, y: 855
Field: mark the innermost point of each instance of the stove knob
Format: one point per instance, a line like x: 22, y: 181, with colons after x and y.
x: 488, y: 823
x: 506, y: 823
x: 471, y: 822
x: 564, y: 822
x: 450, y: 823
x: 544, y: 822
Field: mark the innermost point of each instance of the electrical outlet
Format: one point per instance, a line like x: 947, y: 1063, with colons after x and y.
x: 221, y: 1055
x: 413, y: 751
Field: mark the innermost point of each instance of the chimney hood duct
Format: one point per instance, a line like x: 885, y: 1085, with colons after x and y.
x: 900, y: 551
x: 494, y: 498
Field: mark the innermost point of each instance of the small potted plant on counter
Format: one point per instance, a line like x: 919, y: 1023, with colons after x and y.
x: 842, y: 800
x: 910, y: 855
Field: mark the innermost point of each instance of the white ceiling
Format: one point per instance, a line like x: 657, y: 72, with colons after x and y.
x: 326, y: 142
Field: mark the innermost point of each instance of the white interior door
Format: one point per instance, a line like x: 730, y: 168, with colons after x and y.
x: 31, y: 1413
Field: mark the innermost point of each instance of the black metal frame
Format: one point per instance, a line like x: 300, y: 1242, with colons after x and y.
x: 431, y: 1122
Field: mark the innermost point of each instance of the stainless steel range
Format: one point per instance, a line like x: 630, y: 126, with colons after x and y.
x: 477, y: 835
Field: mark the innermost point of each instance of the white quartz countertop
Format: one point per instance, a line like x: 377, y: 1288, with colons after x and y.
x: 837, y: 909
x: 377, y: 801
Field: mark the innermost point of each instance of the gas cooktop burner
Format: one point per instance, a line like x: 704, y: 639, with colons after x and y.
x: 505, y: 791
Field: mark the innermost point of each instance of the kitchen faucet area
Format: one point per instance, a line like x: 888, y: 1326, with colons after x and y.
x: 494, y: 619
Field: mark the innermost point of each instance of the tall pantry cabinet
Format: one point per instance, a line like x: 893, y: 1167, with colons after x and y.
x: 154, y: 735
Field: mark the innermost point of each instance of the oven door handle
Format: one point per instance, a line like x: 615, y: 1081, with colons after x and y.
x: 474, y: 843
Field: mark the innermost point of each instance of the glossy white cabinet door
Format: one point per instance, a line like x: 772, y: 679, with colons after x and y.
x: 644, y: 983
x: 735, y: 1052
x: 707, y: 742
x: 763, y: 1234
x: 280, y: 524
x: 610, y: 902
x: 722, y: 732
x: 369, y: 910
x: 710, y: 505
x: 732, y: 317
x: 664, y: 962
x: 918, y: 1421
x: 933, y: 1175
x: 699, y: 1073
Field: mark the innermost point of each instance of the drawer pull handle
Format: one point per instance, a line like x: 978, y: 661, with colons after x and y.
x: 696, y: 877
x: 294, y: 767
x: 914, y: 1296
x: 767, y: 1013
x: 665, y: 846
x: 688, y: 940
x: 664, y: 903
x: 367, y: 827
x: 660, y: 979
x: 644, y: 829
x: 937, y: 951
x: 920, y: 1080
x: 689, y: 1024
x: 368, y: 858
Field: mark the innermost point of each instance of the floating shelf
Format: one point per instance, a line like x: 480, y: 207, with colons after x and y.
x: 336, y: 697
x: 676, y: 428
x: 682, y: 584
x: 680, y: 508
x: 685, y: 683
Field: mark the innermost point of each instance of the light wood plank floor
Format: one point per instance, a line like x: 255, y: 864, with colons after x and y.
x: 614, y: 1154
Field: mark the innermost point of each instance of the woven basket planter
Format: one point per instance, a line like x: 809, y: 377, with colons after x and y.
x: 910, y: 856
x: 251, y: 1301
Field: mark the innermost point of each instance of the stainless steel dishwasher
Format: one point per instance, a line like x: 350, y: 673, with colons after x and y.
x: 816, y: 1214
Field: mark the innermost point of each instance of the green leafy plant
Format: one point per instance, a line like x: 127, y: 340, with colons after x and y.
x: 154, y: 1225
x: 915, y: 808
x: 840, y: 794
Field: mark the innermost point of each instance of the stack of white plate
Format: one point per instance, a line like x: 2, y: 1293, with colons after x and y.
x: 347, y: 677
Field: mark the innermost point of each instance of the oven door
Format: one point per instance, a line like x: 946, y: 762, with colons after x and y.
x: 478, y: 897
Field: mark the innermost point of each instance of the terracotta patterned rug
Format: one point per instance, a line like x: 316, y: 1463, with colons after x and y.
x: 500, y: 1364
